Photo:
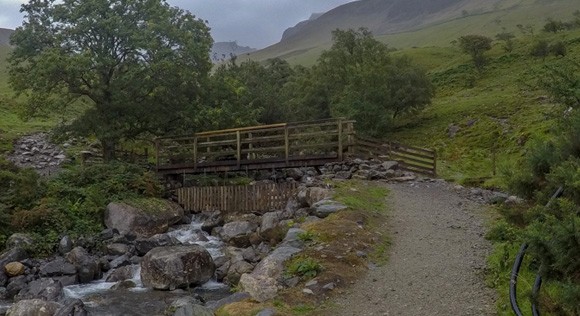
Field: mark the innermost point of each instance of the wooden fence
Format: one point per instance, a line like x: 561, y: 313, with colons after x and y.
x: 258, y: 198
x: 410, y: 158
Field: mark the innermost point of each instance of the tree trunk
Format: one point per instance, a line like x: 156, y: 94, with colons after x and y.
x: 109, y: 147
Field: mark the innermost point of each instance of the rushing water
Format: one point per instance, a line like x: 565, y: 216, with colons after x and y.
x: 101, y: 300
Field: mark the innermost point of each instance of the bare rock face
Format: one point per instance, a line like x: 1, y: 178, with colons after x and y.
x: 261, y: 288
x: 36, y: 307
x: 150, y: 217
x: 169, y: 268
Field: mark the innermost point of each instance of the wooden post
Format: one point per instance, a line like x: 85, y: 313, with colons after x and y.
x: 286, y: 145
x: 434, y: 163
x: 340, y: 158
x: 239, y: 148
x: 350, y: 131
x: 250, y: 147
x: 195, y: 152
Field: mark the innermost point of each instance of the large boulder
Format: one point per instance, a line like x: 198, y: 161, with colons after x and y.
x: 270, y: 222
x: 169, y: 268
x: 273, y: 265
x: 19, y: 240
x: 238, y: 233
x: 12, y: 255
x: 36, y: 307
x: 45, y: 289
x: 72, y: 307
x: 143, y: 217
x: 87, y: 266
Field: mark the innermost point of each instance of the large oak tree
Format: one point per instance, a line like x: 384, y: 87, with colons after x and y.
x: 141, y: 65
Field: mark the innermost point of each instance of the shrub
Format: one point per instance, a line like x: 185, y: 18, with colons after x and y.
x: 540, y: 49
x: 558, y: 49
x: 304, y: 267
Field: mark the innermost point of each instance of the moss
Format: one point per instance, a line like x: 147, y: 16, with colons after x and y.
x: 149, y: 205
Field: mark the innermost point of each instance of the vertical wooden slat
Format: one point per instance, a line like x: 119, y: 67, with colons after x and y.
x: 340, y: 140
x: 239, y: 148
x: 286, y: 145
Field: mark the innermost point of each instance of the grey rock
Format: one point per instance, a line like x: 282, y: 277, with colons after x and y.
x: 72, y: 307
x: 238, y: 233
x: 19, y: 240
x: 292, y: 238
x: 273, y: 265
x: 35, y: 307
x: 193, y: 310
x: 390, y: 165
x: 270, y: 221
x: 120, y: 274
x: 45, y: 289
x: 121, y: 261
x: 326, y: 207
x: 169, y: 268
x: 65, y: 245
x: 57, y: 267
x: 343, y: 175
x: 329, y: 286
x: 66, y: 280
x: 236, y: 270
x: 117, y: 249
x: 210, y: 220
x: 144, y: 245
x: 308, y: 196
x: 87, y: 266
x: 140, y: 222
x: 15, y: 285
x: 123, y: 285
x: 12, y: 255
x: 261, y: 287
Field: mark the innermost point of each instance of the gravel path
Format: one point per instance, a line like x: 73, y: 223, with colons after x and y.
x: 436, y: 260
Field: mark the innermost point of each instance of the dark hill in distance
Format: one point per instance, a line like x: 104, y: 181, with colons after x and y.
x: 5, y: 36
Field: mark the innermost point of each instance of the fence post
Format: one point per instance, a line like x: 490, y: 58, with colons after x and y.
x: 350, y: 131
x: 435, y: 163
x: 340, y: 139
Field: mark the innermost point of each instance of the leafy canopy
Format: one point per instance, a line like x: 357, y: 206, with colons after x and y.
x: 476, y: 46
x: 139, y: 65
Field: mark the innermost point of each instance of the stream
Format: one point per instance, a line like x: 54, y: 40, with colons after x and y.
x: 99, y: 299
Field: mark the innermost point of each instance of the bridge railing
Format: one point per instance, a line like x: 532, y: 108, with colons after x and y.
x: 240, y: 146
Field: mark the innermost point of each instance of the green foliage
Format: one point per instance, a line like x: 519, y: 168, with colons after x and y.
x: 558, y: 49
x: 476, y: 46
x: 73, y: 202
x: 508, y: 39
x: 361, y: 81
x: 307, y: 236
x: 304, y: 267
x: 554, y: 26
x: 540, y: 49
x: 562, y: 81
x: 361, y: 195
x: 139, y: 66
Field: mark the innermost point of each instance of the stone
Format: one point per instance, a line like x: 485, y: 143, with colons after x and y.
x: 144, y: 245
x: 65, y: 245
x: 236, y: 297
x: 210, y: 220
x: 19, y: 240
x: 169, y: 268
x: 72, y: 307
x: 117, y: 249
x: 330, y: 286
x: 390, y: 165
x: 273, y: 265
x: 270, y: 222
x: 513, y: 200
x: 294, y: 173
x: 14, y: 269
x: 120, y: 274
x: 236, y: 270
x: 307, y: 291
x: 262, y: 288
x: 15, y: 285
x: 87, y: 266
x: 124, y: 285
x: 34, y: 307
x: 238, y: 233
x: 153, y: 217
x: 3, y: 278
x: 292, y: 238
x: 12, y: 255
x: 326, y: 207
x: 249, y: 254
x: 66, y: 280
x: 45, y: 289
x: 343, y: 175
x: 452, y: 130
x: 121, y: 261
x: 57, y: 267
x: 308, y: 196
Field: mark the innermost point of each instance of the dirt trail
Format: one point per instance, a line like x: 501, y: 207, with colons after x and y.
x: 436, y: 258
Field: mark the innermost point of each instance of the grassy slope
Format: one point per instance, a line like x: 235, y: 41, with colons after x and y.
x: 483, y: 19
x: 499, y: 113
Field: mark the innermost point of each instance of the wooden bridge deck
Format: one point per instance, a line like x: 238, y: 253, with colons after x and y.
x: 285, y: 145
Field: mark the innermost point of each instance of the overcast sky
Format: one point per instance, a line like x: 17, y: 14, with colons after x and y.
x: 256, y: 23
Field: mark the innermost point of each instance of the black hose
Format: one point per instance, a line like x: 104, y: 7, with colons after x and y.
x: 514, y: 280
x: 535, y: 294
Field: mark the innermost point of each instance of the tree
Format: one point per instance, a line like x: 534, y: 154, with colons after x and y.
x: 140, y: 65
x: 476, y: 46
x: 554, y: 26
x: 360, y: 80
x: 508, y: 39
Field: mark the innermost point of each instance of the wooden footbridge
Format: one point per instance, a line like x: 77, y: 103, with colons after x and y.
x: 277, y: 146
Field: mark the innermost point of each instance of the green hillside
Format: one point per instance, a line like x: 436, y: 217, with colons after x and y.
x: 439, y: 29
